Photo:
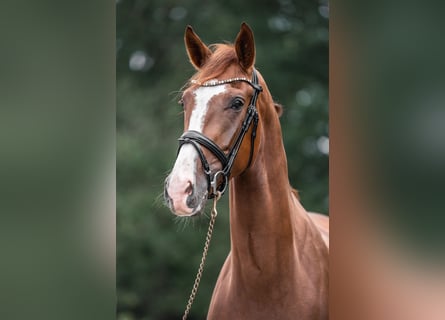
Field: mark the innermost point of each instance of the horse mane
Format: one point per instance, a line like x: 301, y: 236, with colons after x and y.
x: 223, y: 56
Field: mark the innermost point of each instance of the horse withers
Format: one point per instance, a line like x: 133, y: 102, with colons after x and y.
x: 277, y: 267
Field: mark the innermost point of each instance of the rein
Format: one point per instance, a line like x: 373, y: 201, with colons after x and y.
x: 196, y: 139
x: 204, y: 256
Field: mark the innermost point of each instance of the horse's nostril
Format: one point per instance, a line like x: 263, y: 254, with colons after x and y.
x: 192, y: 201
x: 189, y: 189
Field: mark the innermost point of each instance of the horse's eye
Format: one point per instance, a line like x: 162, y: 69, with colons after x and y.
x: 237, y: 104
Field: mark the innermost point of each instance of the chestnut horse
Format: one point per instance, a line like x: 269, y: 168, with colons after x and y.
x: 278, y: 264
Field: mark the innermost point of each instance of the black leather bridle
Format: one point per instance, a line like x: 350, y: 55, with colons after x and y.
x: 196, y: 139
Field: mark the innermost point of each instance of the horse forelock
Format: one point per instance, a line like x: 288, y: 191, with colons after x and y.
x: 223, y: 58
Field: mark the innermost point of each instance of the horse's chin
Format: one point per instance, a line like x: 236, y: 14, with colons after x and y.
x: 194, y: 214
x: 196, y: 210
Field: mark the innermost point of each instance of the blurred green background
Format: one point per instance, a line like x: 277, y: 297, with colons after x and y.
x: 158, y: 255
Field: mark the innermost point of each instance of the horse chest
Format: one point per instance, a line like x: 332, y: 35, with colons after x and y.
x: 256, y: 298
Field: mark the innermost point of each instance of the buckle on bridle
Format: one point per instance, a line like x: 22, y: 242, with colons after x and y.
x: 214, y: 183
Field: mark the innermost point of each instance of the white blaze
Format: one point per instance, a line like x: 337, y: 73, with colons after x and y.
x: 202, y: 97
x: 184, y: 170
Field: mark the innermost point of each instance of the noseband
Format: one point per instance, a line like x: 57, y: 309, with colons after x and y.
x: 196, y: 139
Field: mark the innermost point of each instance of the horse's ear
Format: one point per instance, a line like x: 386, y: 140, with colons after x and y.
x: 245, y: 47
x: 197, y: 51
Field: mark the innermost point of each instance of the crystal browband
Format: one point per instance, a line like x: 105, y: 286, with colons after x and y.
x: 214, y: 82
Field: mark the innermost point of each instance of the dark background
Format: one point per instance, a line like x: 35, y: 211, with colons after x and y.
x: 158, y: 255
x: 57, y: 122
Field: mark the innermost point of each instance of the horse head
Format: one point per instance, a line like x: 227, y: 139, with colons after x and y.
x: 220, y: 109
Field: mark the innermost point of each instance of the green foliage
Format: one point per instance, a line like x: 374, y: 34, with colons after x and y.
x: 157, y: 255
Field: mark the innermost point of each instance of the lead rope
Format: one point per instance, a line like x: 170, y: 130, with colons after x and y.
x: 204, y: 256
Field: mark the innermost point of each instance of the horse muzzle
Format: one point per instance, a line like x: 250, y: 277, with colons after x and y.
x: 183, y: 197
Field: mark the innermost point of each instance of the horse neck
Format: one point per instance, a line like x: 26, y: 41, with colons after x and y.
x: 264, y: 213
